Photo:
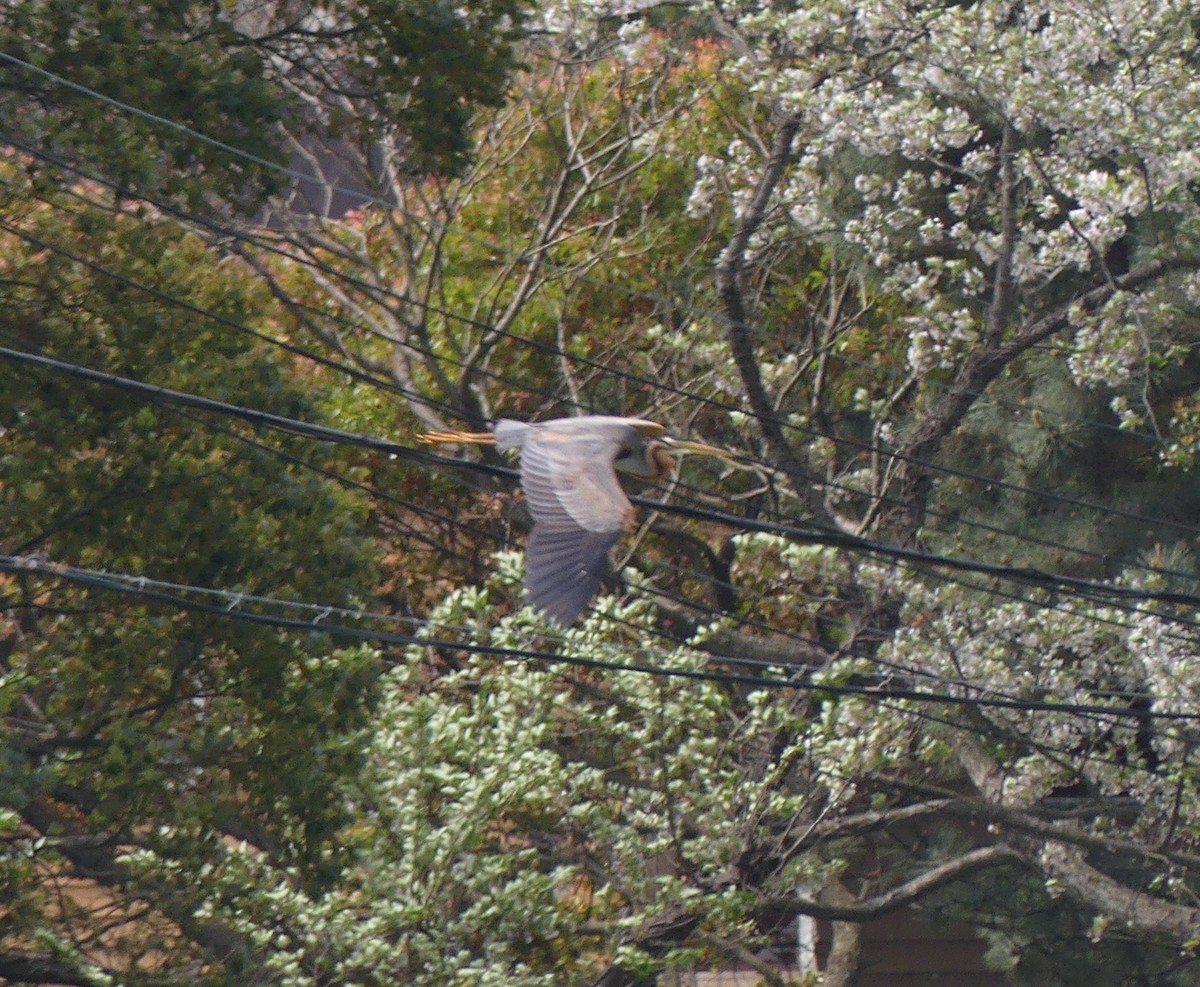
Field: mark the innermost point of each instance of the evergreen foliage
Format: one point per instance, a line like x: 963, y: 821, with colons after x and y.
x: 934, y: 267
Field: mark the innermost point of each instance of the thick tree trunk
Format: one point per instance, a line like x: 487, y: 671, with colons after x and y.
x: 844, y: 966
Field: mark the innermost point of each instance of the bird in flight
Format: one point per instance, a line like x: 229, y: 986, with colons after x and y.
x: 568, y: 473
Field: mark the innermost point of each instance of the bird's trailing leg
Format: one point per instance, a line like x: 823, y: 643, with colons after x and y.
x: 472, y: 438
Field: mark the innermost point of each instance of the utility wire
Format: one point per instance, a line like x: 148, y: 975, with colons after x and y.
x: 174, y: 300
x: 41, y: 244
x: 172, y: 125
x: 343, y: 368
x: 815, y: 534
x: 82, y: 577
x: 259, y: 243
x: 868, y: 657
x: 233, y: 603
x: 361, y: 376
x: 333, y: 435
x: 367, y: 198
x: 166, y: 395
x: 559, y: 352
x: 427, y: 512
x: 687, y: 604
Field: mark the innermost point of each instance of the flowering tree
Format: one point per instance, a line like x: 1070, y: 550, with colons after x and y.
x: 1022, y: 219
x: 1039, y: 189
x: 935, y: 267
x: 898, y: 226
x: 1032, y: 197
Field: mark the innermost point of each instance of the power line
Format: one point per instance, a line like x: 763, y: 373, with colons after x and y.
x: 357, y: 374
x: 648, y: 587
x: 175, y: 301
x: 168, y: 123
x: 812, y: 433
x: 25, y: 565
x: 233, y: 600
x: 42, y: 244
x: 376, y: 492
x: 156, y: 393
x: 172, y: 299
x: 691, y: 604
x: 556, y: 351
x: 363, y: 197
x: 688, y: 604
x: 303, y: 261
x: 815, y: 534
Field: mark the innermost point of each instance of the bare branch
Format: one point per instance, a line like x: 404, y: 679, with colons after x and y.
x: 1044, y: 822
x: 96, y: 859
x: 740, y: 954
x: 1144, y: 913
x: 741, y: 342
x: 1002, y: 286
x: 903, y: 894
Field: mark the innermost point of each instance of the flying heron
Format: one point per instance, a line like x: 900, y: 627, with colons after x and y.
x: 579, y: 509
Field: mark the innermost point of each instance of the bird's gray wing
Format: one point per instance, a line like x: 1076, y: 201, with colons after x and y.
x: 564, y: 566
x: 567, y: 475
x: 579, y: 510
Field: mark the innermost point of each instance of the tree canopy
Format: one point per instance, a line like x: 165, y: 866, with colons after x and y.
x: 184, y: 99
x: 275, y: 711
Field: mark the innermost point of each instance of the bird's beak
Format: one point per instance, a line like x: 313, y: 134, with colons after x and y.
x: 684, y: 447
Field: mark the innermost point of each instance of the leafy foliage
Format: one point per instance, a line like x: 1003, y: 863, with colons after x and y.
x: 159, y: 728
x: 218, y: 94
x: 164, y: 57
x: 518, y: 824
x: 946, y: 301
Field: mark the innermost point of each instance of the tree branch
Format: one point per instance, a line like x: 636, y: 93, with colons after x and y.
x: 981, y: 367
x: 94, y: 857
x: 788, y: 652
x: 1139, y: 911
x: 1002, y: 284
x: 741, y: 342
x: 740, y: 954
x: 871, y: 821
x: 901, y: 895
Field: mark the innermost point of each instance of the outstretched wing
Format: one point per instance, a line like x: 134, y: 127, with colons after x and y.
x: 567, y: 473
x: 578, y: 507
x: 564, y: 566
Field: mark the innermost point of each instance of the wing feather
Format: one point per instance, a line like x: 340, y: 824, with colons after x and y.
x: 578, y: 507
x: 568, y: 475
x: 564, y: 566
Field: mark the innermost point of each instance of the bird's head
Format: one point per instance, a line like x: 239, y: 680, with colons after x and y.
x: 652, y: 456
